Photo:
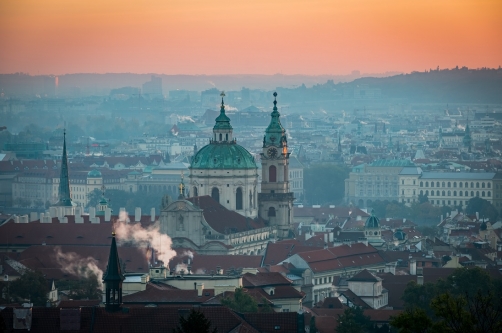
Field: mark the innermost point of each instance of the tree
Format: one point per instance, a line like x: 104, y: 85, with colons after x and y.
x: 240, y: 302
x: 353, y: 320
x: 467, y: 301
x: 31, y: 286
x: 325, y: 183
x: 196, y: 322
x: 84, y: 288
x: 483, y: 207
x: 423, y: 198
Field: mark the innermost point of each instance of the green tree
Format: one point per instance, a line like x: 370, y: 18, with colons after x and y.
x: 31, y: 286
x: 196, y: 322
x: 324, y: 183
x: 353, y: 320
x: 483, y: 207
x: 423, y: 198
x: 240, y: 301
x: 469, y: 300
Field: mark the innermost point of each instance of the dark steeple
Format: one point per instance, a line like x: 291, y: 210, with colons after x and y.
x: 64, y: 180
x: 113, y: 278
x: 467, y: 137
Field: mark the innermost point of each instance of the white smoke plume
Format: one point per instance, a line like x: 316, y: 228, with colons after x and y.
x: 187, y: 253
x: 75, y: 265
x: 145, y: 237
x: 180, y: 267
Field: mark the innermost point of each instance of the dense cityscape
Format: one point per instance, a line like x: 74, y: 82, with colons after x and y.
x: 243, y: 167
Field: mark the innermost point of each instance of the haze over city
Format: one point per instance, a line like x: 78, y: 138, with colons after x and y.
x: 247, y: 37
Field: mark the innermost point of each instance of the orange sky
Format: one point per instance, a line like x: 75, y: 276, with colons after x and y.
x: 247, y: 36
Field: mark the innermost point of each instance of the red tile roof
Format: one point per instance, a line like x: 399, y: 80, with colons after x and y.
x: 154, y: 294
x: 206, y: 263
x: 273, y: 322
x: 264, y: 279
x: 279, y: 251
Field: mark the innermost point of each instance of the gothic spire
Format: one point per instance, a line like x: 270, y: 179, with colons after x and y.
x: 113, y: 278
x: 64, y: 180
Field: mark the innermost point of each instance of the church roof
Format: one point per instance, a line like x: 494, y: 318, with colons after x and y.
x: 223, y: 155
x: 372, y: 221
x: 223, y: 220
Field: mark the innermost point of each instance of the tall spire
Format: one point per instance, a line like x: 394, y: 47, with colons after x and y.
x: 275, y: 134
x: 64, y: 180
x: 113, y: 278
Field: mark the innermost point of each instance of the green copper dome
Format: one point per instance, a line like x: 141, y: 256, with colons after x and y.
x: 223, y: 156
x: 372, y: 221
x: 94, y: 174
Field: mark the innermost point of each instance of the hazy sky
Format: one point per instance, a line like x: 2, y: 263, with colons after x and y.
x: 247, y: 36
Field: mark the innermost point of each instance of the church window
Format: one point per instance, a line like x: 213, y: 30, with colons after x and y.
x: 272, y: 174
x: 238, y: 199
x: 195, y: 191
x: 271, y: 211
x: 215, y: 194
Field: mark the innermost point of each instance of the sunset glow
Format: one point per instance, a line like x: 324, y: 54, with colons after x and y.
x: 247, y: 37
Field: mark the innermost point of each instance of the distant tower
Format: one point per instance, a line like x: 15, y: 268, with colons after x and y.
x: 391, y: 145
x: 467, y: 137
x: 440, y: 137
x: 339, y: 143
x: 384, y: 129
x: 65, y: 205
x: 376, y: 128
x: 275, y: 199
x: 372, y: 230
x: 113, y: 278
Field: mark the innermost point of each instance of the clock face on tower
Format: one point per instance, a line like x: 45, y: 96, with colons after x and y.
x: 272, y: 152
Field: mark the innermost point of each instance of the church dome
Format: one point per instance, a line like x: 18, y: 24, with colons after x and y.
x: 94, y: 174
x: 372, y: 221
x: 223, y: 156
x: 400, y: 235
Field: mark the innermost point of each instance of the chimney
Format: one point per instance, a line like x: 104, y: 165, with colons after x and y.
x: 108, y: 214
x: 200, y: 289
x: 477, y: 216
x: 78, y: 211
x: 92, y: 212
x: 413, y: 267
x: 404, y: 220
x: 33, y: 216
x: 358, y: 218
x: 23, y: 219
x: 331, y: 237
x: 325, y: 238
x: 152, y: 214
x: 331, y: 206
x: 53, y: 211
x: 137, y: 214
x: 420, y: 275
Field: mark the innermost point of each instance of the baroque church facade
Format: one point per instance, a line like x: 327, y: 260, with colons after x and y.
x: 225, y: 214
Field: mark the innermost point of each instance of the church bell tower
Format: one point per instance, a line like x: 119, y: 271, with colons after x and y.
x: 276, y: 200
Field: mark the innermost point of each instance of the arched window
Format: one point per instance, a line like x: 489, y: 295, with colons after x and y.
x: 272, y: 174
x: 221, y: 137
x: 460, y: 184
x: 472, y: 193
x: 442, y: 184
x: 489, y: 185
x: 271, y: 211
x: 460, y: 192
x: 195, y: 191
x: 421, y: 192
x: 215, y: 194
x: 421, y: 184
x: 483, y: 185
x: 472, y: 184
x: 483, y: 193
x: 466, y: 193
x: 426, y: 184
x: 454, y: 184
x: 449, y: 184
x: 443, y: 193
x: 226, y: 137
x: 466, y: 185
x: 489, y: 193
x: 477, y: 184
x: 238, y: 199
x: 250, y: 199
x: 477, y: 193
x: 449, y: 193
x: 454, y: 193
x: 427, y: 192
x: 432, y: 184
x: 437, y: 184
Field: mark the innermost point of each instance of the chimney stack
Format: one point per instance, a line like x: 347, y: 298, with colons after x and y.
x: 92, y: 212
x: 200, y: 289
x: 152, y: 215
x: 33, y: 216
x: 108, y: 214
x: 413, y: 267
x: 137, y: 214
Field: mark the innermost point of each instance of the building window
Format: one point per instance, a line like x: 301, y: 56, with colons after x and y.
x: 432, y: 184
x: 477, y: 193
x: 472, y: 193
x: 271, y: 212
x: 272, y: 174
x: 454, y: 193
x: 489, y: 185
x: 489, y: 193
x: 460, y: 184
x: 437, y: 184
x: 426, y: 184
x: 443, y: 184
x: 449, y: 184
x: 238, y: 199
x: 449, y: 193
x: 443, y: 193
x: 195, y: 192
x: 483, y: 193
x: 454, y: 184
x: 215, y: 194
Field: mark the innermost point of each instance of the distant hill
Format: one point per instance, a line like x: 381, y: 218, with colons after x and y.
x: 444, y: 86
